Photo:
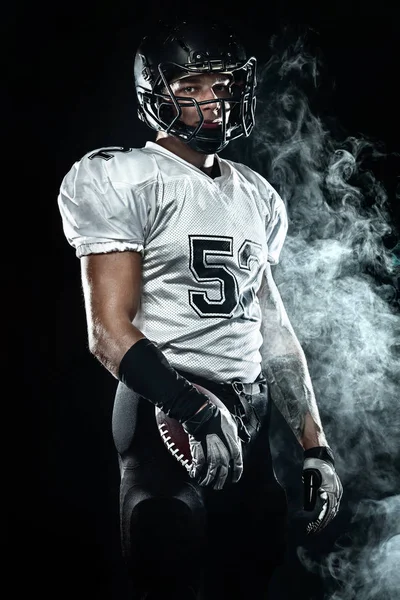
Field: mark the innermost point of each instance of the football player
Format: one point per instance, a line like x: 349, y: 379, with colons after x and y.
x: 176, y: 246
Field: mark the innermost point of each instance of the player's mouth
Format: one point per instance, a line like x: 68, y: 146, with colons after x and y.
x: 211, y: 124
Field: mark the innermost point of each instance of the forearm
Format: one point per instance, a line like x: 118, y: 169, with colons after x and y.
x: 110, y: 340
x: 292, y: 392
x: 285, y: 366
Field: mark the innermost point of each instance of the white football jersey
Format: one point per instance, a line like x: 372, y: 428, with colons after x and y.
x: 205, y: 244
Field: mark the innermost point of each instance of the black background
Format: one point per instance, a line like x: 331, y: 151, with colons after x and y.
x: 72, y: 67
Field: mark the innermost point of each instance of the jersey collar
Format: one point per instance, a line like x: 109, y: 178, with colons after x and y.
x: 223, y: 166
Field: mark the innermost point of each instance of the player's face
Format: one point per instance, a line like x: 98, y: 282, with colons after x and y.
x: 210, y: 86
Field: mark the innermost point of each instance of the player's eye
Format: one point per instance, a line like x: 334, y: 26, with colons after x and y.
x: 189, y: 89
x: 221, y: 87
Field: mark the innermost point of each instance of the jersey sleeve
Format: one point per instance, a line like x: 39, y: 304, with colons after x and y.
x: 99, y: 212
x: 276, y: 227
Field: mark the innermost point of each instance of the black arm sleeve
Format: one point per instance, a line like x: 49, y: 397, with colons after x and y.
x: 146, y: 371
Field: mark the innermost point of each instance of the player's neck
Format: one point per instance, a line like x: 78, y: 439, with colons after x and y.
x: 205, y: 162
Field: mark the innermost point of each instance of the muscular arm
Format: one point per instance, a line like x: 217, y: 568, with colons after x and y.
x: 285, y: 366
x: 111, y: 287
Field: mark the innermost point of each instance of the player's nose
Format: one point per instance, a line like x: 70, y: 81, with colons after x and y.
x: 213, y: 102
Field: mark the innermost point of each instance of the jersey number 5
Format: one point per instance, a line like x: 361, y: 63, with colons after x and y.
x: 201, y: 249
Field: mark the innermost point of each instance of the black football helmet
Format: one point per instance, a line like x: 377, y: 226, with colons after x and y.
x: 194, y: 48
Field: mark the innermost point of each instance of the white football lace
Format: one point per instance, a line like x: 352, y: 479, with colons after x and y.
x: 170, y: 445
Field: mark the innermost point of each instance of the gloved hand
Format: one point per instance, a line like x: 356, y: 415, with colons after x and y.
x: 215, y: 447
x: 320, y: 479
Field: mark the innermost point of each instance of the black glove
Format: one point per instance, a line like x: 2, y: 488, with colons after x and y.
x: 321, y: 480
x: 215, y: 447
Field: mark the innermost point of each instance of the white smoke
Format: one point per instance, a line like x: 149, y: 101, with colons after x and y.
x: 365, y: 562
x: 337, y: 278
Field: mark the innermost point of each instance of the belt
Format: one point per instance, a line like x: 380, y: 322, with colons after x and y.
x: 249, y: 389
x: 237, y: 386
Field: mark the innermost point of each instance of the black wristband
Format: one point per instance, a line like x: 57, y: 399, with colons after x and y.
x: 322, y: 452
x: 145, y: 370
x: 195, y: 423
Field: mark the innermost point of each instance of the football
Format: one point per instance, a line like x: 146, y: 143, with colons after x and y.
x: 173, y: 435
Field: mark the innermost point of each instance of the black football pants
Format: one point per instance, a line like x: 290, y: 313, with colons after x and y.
x: 182, y: 541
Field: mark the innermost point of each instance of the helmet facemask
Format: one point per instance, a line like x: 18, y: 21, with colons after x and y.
x: 162, y: 109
